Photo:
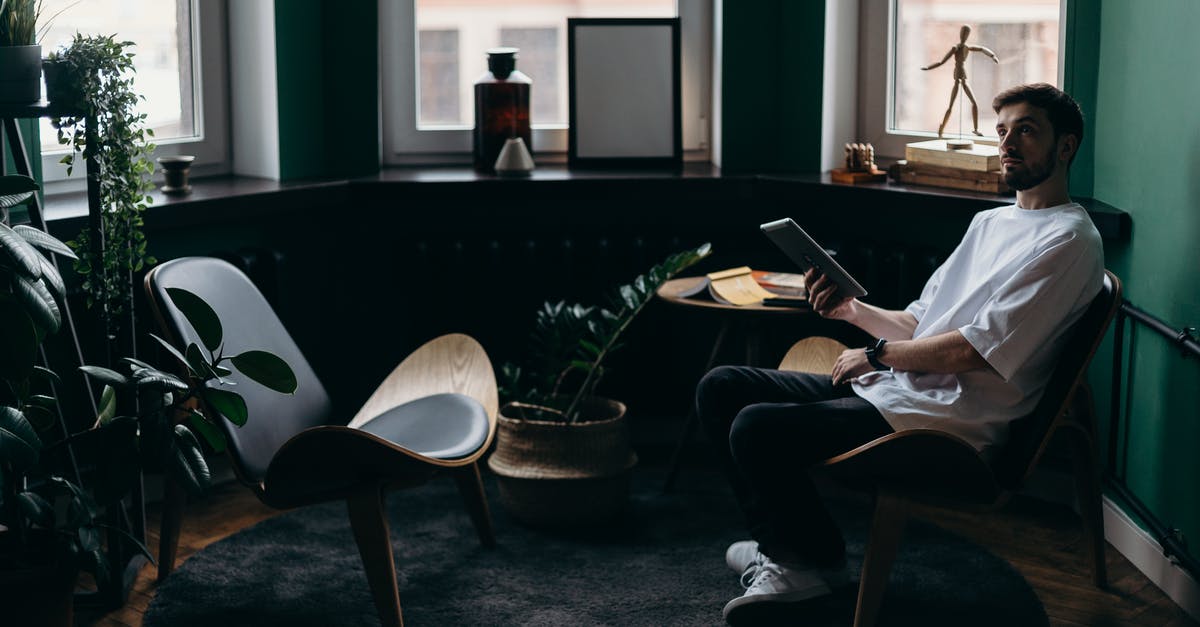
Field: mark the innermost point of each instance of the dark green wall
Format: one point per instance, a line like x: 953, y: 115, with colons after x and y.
x: 29, y: 134
x: 1082, y: 50
x: 1147, y: 153
x: 773, y: 55
x: 327, y: 72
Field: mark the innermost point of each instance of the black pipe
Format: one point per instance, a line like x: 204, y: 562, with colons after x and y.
x: 1183, y: 337
x: 1173, y: 548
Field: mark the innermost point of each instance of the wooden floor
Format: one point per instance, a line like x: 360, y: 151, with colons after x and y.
x: 1041, y: 540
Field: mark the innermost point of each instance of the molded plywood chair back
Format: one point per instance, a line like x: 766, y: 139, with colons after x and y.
x: 435, y: 412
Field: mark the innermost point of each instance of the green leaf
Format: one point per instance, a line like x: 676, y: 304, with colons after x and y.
x: 19, y: 337
x: 188, y: 466
x: 629, y: 298
x: 159, y: 380
x: 199, y: 362
x: 37, y: 509
x: 590, y: 348
x: 24, y: 257
x: 20, y: 445
x: 41, y: 400
x: 39, y: 302
x: 267, y: 369
x: 210, y: 432
x: 44, y: 240
x: 136, y: 362
x: 53, y: 280
x: 229, y: 404
x: 48, y: 375
x: 106, y: 376
x: 108, y: 405
x: 200, y: 315
x: 17, y: 184
x: 174, y: 353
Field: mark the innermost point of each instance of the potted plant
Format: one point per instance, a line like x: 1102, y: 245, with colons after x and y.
x: 562, y: 453
x: 20, y: 53
x: 94, y: 75
x: 49, y: 527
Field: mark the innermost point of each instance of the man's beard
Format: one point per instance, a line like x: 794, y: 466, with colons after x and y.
x: 1031, y: 176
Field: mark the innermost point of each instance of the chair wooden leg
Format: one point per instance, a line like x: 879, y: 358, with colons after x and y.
x: 369, y: 522
x: 168, y: 531
x: 470, y: 487
x: 887, y: 527
x: 1087, y: 490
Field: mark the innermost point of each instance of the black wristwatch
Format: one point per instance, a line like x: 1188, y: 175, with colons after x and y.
x: 873, y: 354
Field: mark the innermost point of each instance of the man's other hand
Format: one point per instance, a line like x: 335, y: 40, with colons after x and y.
x: 825, y: 297
x: 850, y: 364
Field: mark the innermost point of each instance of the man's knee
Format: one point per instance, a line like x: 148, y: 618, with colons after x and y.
x: 751, y: 435
x: 716, y: 388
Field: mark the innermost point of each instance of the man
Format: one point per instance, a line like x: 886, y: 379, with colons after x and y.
x: 967, y: 357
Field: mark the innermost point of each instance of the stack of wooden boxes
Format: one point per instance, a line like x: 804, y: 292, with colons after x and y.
x: 975, y: 168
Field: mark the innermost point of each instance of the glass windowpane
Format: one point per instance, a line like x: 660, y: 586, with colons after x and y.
x: 537, y: 27
x: 161, y: 31
x: 1023, y: 34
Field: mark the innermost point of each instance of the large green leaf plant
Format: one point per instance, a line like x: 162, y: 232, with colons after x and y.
x: 44, y: 517
x: 570, y: 343
x: 171, y: 421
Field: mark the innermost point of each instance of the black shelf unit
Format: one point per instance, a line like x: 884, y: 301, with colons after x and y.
x: 125, y: 562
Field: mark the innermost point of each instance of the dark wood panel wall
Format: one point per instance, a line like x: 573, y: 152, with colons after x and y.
x: 362, y: 272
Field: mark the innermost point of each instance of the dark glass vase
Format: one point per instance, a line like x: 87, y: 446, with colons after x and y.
x: 501, y: 108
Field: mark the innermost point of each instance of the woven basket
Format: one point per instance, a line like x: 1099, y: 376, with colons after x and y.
x: 555, y: 473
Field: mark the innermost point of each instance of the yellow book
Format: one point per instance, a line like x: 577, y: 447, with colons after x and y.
x: 735, y: 286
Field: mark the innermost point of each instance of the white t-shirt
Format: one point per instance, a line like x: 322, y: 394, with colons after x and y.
x: 1018, y: 280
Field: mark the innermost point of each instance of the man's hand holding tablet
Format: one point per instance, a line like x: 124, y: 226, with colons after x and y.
x: 825, y: 296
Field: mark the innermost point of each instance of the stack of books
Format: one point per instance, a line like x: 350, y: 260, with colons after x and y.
x: 976, y: 168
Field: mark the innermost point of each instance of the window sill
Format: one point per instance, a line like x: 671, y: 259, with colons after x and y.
x: 214, y: 199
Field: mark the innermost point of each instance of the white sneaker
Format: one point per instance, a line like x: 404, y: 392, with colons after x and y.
x: 775, y: 583
x: 742, y: 555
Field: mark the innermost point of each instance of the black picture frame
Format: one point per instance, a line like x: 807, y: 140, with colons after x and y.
x: 623, y: 84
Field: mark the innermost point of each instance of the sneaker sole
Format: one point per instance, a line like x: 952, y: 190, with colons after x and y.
x: 735, y: 609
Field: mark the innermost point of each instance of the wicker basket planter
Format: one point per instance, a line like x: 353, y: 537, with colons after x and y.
x: 563, y: 474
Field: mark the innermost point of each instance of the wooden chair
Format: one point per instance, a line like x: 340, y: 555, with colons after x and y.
x: 928, y: 466
x: 435, y: 412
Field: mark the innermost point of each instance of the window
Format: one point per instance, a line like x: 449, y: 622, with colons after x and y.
x: 428, y: 93
x: 171, y: 65
x: 901, y: 102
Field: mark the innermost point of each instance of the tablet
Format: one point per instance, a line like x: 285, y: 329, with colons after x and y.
x: 801, y: 248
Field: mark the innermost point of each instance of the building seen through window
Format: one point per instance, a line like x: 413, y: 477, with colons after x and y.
x: 538, y: 27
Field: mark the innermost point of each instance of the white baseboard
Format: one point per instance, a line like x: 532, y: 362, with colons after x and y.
x: 1139, y: 547
x: 1146, y: 554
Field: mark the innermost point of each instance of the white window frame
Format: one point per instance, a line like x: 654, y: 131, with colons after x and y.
x: 210, y: 144
x: 876, y: 80
x: 403, y: 143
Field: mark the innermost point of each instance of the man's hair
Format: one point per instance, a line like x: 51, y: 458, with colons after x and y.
x: 1062, y: 110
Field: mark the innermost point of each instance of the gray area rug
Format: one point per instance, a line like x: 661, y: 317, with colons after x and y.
x: 662, y: 565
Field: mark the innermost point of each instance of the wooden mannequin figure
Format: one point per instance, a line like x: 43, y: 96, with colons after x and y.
x: 960, y: 51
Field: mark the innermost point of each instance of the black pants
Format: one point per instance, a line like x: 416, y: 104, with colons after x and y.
x: 777, y: 425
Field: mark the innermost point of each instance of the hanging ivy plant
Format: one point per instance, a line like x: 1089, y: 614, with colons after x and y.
x: 97, y: 74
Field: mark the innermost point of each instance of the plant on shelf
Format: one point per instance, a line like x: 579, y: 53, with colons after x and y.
x: 20, y: 53
x: 98, y: 73
x: 562, y: 453
x: 49, y: 527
